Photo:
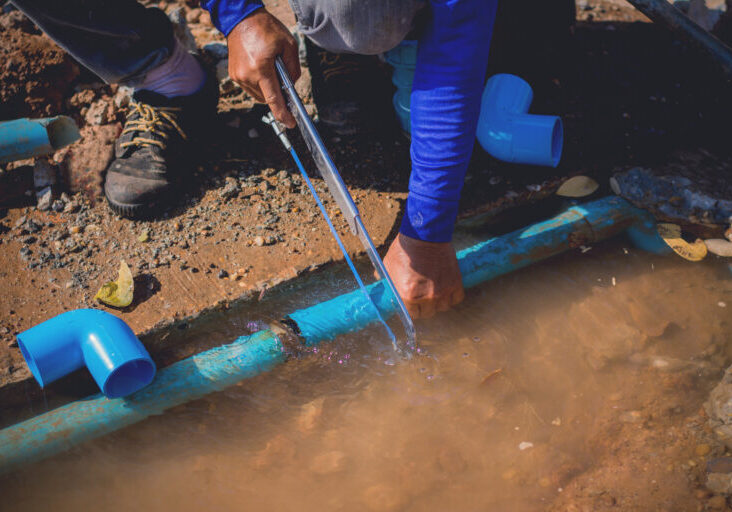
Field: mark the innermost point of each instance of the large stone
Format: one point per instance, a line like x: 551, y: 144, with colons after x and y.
x: 678, y: 199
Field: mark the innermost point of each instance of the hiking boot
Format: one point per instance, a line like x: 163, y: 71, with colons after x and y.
x: 352, y: 92
x: 152, y: 155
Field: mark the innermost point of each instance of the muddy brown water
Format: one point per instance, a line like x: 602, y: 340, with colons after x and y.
x: 572, y: 385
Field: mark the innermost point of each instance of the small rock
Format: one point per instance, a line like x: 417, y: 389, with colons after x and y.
x: 58, y: 205
x: 525, y: 445
x: 223, y: 274
x: 702, y: 450
x: 259, y: 241
x: 193, y: 15
x: 231, y: 189
x: 253, y: 133
x: 71, y: 207
x: 45, y: 198
x: 144, y: 236
x: 25, y: 253
x: 100, y: 112
x: 123, y: 96
x: 720, y: 483
x: 717, y: 503
x: 75, y: 230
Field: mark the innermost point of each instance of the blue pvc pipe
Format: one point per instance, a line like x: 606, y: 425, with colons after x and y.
x: 186, y: 380
x: 26, y: 138
x: 508, y: 132
x: 218, y: 368
x: 580, y: 225
x: 96, y: 339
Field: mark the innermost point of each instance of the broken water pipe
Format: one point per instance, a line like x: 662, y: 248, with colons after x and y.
x: 218, y: 368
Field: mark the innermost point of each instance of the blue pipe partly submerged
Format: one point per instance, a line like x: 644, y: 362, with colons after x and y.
x: 218, y: 368
x: 96, y: 339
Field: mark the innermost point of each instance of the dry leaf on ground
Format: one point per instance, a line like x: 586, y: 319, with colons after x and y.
x: 578, y: 186
x: 118, y: 293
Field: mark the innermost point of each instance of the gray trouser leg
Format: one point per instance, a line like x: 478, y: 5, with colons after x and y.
x: 356, y: 26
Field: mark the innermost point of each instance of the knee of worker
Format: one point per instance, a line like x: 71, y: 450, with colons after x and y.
x: 366, y: 27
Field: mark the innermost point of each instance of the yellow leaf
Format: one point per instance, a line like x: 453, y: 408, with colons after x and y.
x: 118, y: 293
x: 669, y: 230
x: 719, y: 247
x: 578, y: 186
x: 692, y: 252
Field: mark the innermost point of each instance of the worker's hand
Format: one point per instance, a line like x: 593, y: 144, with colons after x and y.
x: 253, y: 45
x: 425, y: 274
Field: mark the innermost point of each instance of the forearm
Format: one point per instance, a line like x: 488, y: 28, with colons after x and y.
x: 445, y: 105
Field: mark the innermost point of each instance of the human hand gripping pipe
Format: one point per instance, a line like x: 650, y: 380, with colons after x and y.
x: 96, y: 339
x: 343, y: 199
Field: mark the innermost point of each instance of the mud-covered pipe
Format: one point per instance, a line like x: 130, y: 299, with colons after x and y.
x: 218, y: 368
x: 26, y: 138
x: 96, y: 339
x: 508, y: 132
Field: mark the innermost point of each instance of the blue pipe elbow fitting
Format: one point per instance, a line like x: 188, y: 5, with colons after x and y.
x: 509, y: 133
x: 96, y: 339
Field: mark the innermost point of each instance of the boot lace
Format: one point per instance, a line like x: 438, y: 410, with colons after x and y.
x: 151, y: 121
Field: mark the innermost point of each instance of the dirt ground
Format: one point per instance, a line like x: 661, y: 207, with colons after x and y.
x: 629, y: 95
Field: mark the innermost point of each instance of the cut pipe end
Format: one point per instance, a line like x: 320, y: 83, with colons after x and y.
x: 96, y: 339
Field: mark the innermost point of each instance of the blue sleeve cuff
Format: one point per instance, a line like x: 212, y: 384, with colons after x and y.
x: 227, y: 14
x: 429, y: 219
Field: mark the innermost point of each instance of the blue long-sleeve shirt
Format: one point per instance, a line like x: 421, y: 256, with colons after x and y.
x: 445, y: 104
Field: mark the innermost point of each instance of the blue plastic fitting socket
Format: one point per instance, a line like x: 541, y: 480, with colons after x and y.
x: 403, y: 58
x: 509, y: 133
x: 96, y: 339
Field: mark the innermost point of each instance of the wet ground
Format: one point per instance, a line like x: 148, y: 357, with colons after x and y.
x: 576, y: 384
x: 628, y: 93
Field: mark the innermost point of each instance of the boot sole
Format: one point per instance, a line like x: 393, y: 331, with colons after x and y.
x: 132, y: 211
